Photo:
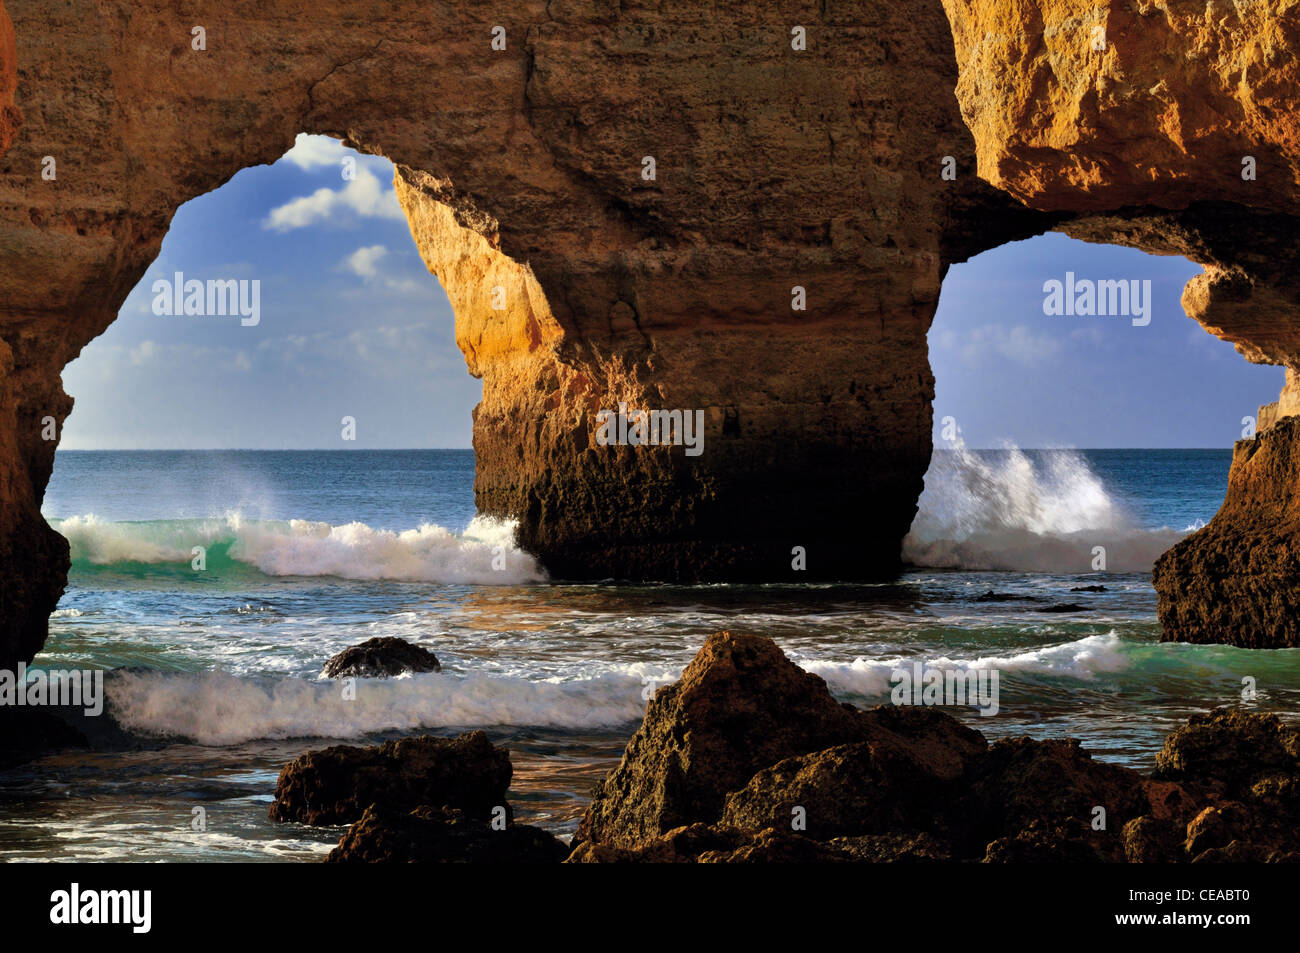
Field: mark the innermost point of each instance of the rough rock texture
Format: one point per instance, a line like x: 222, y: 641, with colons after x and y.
x: 337, y: 784
x: 1229, y: 751
x: 739, y: 707
x: 381, y: 657
x: 1033, y: 794
x: 1142, y: 141
x: 920, y: 787
x: 442, y: 835
x: 849, y: 790
x: 522, y: 169
x: 715, y: 844
x: 1236, y: 580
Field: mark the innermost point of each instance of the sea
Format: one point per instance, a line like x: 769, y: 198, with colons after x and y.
x: 215, y: 584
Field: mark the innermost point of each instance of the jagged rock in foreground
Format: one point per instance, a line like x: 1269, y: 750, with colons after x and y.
x: 915, y: 785
x: 442, y: 835
x: 1234, y: 580
x: 1229, y: 751
x: 741, y: 706
x: 381, y: 657
x: 336, y: 785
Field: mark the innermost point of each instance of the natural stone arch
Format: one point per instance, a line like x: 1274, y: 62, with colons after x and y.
x: 776, y: 167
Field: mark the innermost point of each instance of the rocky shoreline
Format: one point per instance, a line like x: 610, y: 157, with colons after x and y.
x: 748, y: 758
x: 1233, y: 581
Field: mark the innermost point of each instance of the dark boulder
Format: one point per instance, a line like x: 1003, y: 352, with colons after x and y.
x: 1046, y: 842
x: 894, y: 783
x: 1227, y: 750
x: 1152, y: 840
x: 382, y: 657
x: 336, y: 785
x: 442, y: 835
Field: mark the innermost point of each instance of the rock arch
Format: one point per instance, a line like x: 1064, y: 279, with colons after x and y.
x: 775, y: 168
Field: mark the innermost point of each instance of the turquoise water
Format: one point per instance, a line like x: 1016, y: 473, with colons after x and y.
x: 305, y: 553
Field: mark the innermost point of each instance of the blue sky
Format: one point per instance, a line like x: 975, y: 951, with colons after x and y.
x: 1007, y: 372
x: 352, y: 324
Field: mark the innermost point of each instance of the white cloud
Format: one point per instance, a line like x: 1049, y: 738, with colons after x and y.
x: 362, y: 261
x: 143, y: 353
x: 312, y: 152
x: 363, y: 195
x: 1019, y: 344
x: 1090, y: 334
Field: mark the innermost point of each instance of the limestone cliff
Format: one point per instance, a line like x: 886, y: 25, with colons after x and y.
x: 1237, y: 581
x: 523, y: 169
x: 1170, y: 127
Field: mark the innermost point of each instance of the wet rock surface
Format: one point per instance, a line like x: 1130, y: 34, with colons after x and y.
x: 381, y: 657
x: 336, y: 785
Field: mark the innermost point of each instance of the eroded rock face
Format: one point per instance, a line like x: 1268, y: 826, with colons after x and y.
x: 521, y: 170
x: 1037, y: 796
x: 742, y: 706
x: 335, y: 785
x: 1234, y: 580
x: 1229, y: 751
x: 917, y: 786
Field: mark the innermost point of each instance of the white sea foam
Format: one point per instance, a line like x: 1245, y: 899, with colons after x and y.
x: 1008, y: 511
x: 219, y: 709
x: 1082, y: 659
x: 305, y: 548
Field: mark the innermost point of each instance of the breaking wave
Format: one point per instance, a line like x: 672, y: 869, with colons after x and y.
x: 1083, y: 658
x: 305, y: 548
x: 220, y: 709
x: 1007, y: 511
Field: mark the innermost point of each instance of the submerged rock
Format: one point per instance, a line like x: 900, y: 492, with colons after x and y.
x: 991, y: 596
x: 442, y: 835
x: 381, y: 657
x: 336, y: 785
